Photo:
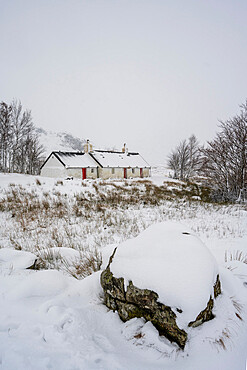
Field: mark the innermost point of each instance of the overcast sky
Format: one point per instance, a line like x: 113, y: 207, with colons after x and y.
x: 145, y: 72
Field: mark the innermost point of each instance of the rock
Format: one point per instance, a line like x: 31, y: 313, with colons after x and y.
x: 144, y: 298
x: 137, y: 302
x: 207, y: 314
x: 217, y: 287
x: 204, y: 315
x: 122, y: 294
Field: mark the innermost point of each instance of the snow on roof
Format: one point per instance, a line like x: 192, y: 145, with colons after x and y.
x: 167, y: 259
x: 101, y: 158
x: 119, y: 159
x: 74, y: 160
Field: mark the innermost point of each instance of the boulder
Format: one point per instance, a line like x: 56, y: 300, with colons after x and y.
x: 136, y: 297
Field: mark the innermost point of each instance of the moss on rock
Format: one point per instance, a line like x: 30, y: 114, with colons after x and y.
x: 136, y: 302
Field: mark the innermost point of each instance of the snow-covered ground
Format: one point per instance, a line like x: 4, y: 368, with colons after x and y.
x: 50, y: 320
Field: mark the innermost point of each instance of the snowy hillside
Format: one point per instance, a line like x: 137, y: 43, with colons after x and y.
x: 55, y: 141
x: 53, y: 316
x: 64, y: 141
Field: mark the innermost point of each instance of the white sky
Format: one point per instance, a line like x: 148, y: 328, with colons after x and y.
x: 149, y: 73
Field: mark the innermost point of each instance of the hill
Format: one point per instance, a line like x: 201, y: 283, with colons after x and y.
x: 63, y: 141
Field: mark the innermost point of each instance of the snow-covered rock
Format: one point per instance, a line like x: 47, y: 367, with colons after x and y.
x: 166, y: 271
x: 14, y: 259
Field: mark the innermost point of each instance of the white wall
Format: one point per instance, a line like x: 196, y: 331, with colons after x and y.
x: 90, y: 174
x: 53, y: 168
x: 77, y: 173
x: 106, y: 173
x: 74, y: 172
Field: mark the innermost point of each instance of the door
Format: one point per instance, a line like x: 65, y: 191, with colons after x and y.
x: 125, y: 173
x: 84, y: 173
x: 141, y: 172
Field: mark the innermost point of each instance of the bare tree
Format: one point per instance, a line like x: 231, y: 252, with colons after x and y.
x: 5, y: 135
x: 173, y: 163
x: 20, y: 149
x: 225, y: 159
x: 185, y: 159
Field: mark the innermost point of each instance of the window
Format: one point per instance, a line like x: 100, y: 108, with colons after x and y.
x: 133, y: 170
x: 113, y: 171
x: 92, y: 170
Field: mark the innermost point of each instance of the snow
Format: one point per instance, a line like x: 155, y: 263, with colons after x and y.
x: 10, y: 258
x: 52, y: 321
x: 66, y: 253
x: 177, y: 266
x: 55, y: 141
x: 40, y: 284
x: 110, y: 159
x: 14, y: 178
x: 74, y: 160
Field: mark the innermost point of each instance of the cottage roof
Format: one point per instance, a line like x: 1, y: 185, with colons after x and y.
x: 73, y: 159
x: 99, y: 158
x: 118, y: 159
x: 76, y: 159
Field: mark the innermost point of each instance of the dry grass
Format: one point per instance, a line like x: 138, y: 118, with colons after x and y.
x: 48, y: 259
x: 223, y: 340
x: 59, y: 182
x: 220, y: 342
x: 238, y: 307
x: 139, y: 335
x: 102, y: 213
x: 235, y: 256
x: 87, y: 264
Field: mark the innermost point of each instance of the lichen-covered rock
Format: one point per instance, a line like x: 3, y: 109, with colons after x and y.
x: 170, y: 319
x: 144, y: 298
x: 137, y: 302
x: 204, y: 315
x: 217, y: 287
x: 112, y: 286
x: 207, y: 313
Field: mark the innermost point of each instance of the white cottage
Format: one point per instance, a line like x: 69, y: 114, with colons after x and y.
x: 92, y: 164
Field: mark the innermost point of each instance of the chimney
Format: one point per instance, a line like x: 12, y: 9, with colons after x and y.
x: 124, y: 148
x: 86, y: 146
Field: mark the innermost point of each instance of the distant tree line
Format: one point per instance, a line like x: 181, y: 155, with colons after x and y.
x: 20, y: 150
x: 222, y: 162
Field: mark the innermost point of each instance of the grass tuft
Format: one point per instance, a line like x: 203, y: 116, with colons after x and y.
x: 235, y: 256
